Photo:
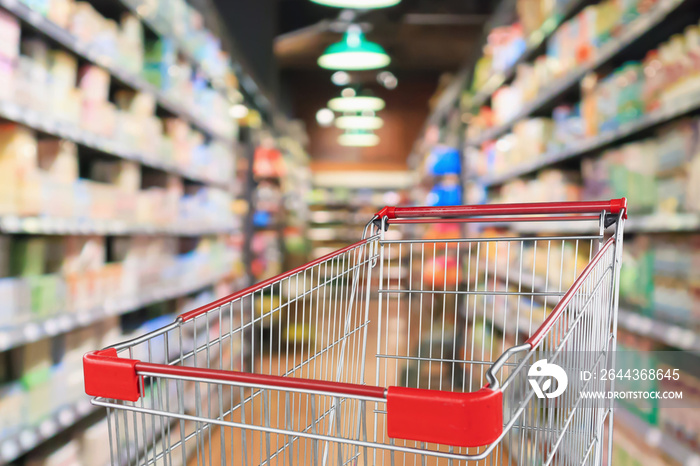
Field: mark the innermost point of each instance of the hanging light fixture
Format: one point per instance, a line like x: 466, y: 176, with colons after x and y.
x: 358, y: 138
x: 325, y: 117
x: 367, y: 122
x: 354, y: 53
x: 350, y: 102
x: 359, y: 4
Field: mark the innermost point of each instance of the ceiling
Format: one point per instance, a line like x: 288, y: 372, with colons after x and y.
x: 425, y: 39
x: 434, y: 35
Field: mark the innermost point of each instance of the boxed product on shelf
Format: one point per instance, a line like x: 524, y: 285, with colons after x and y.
x: 660, y: 278
x: 548, y: 186
x: 663, y: 78
x: 9, y: 38
x: 682, y: 424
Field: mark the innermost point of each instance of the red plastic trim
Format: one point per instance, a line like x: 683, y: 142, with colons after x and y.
x: 491, y: 220
x: 551, y: 319
x: 543, y: 208
x: 262, y: 379
x: 259, y: 286
x: 388, y: 212
x: 109, y: 376
x: 461, y: 419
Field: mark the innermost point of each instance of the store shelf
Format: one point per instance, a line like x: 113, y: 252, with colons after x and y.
x: 668, y: 334
x: 612, y: 49
x: 216, y: 82
x: 691, y: 104
x: 86, y: 226
x: 61, y: 323
x: 654, y: 437
x: 663, y: 223
x: 532, y: 44
x: 30, y: 437
x: 70, y: 42
x: 69, y: 132
x: 654, y: 223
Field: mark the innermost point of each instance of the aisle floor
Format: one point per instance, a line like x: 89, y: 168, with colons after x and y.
x: 284, y: 410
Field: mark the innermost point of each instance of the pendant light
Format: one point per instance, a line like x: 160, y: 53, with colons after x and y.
x: 366, y: 122
x: 350, y: 102
x: 358, y: 138
x: 358, y: 4
x: 354, y: 53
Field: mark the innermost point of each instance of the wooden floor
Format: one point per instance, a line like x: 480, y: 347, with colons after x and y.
x: 233, y: 446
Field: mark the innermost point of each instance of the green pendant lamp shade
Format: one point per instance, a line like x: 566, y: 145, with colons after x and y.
x: 358, y: 4
x: 358, y: 138
x: 354, y: 53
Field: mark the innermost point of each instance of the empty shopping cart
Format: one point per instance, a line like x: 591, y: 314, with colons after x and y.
x: 389, y: 351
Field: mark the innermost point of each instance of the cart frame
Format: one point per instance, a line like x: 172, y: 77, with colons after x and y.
x: 439, y: 423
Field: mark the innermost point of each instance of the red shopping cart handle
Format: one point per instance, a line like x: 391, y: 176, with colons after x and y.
x: 614, y: 206
x: 470, y: 419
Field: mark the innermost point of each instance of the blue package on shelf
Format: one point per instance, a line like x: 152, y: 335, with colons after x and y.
x: 262, y: 218
x: 445, y: 194
x: 444, y: 160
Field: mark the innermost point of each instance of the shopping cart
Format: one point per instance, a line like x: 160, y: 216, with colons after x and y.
x: 416, y: 351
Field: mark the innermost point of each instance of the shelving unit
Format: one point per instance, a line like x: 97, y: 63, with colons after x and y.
x: 612, y: 49
x: 51, y: 326
x: 86, y: 226
x: 30, y: 437
x: 342, y: 204
x: 601, y: 141
x: 533, y: 44
x: 671, y: 335
x: 172, y: 288
x: 71, y: 43
x: 487, y: 179
x: 657, y: 438
x: 42, y: 123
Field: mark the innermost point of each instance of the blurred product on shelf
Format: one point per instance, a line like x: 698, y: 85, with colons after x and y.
x: 40, y: 177
x: 506, y: 45
x: 659, y: 174
x: 267, y: 260
x: 40, y: 72
x: 177, y: 19
x: 677, y: 423
x: 661, y: 278
x: 55, y: 275
x: 268, y: 162
x: 448, y: 191
x: 664, y: 77
x: 129, y: 123
x: 46, y: 378
x: 339, y: 214
x: 444, y: 160
x: 548, y: 186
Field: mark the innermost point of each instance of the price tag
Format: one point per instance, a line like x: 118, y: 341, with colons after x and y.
x: 48, y: 428
x: 32, y: 332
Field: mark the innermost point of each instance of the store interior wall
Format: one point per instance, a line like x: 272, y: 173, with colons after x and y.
x: 407, y: 108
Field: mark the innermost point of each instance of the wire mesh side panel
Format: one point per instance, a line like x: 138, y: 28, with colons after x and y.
x: 448, y: 309
x: 311, y: 324
x: 567, y: 429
